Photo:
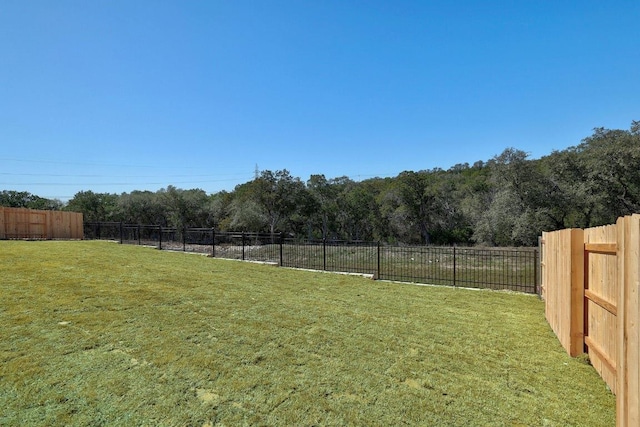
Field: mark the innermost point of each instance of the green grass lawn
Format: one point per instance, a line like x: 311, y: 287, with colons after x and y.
x: 96, y: 333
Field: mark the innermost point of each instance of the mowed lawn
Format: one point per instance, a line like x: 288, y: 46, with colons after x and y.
x: 96, y: 333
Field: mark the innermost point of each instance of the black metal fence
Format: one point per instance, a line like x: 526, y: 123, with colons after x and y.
x: 511, y: 269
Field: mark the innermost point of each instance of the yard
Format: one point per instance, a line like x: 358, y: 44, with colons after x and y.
x: 96, y: 333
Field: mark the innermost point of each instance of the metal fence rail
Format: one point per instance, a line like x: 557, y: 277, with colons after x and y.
x: 510, y: 269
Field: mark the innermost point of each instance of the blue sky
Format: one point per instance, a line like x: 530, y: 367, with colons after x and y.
x: 116, y: 96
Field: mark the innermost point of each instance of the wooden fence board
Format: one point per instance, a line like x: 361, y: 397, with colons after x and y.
x: 37, y: 224
x: 601, y: 292
x: 600, y: 337
x: 19, y: 228
x: 77, y: 226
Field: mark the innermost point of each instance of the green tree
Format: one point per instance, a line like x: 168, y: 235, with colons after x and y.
x: 186, y: 208
x: 356, y: 211
x: 507, y: 220
x: 420, y: 200
x: 371, y: 202
x: 142, y: 207
x: 453, y: 226
x: 24, y: 199
x: 94, y: 206
x: 324, y: 195
x: 221, y: 210
x: 277, y: 194
x: 612, y: 158
x: 570, y: 198
x: 246, y: 215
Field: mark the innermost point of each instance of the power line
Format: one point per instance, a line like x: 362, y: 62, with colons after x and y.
x: 115, y: 176
x: 58, y: 162
x: 118, y: 183
x: 255, y: 172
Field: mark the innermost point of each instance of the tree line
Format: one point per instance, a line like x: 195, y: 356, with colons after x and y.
x: 505, y: 201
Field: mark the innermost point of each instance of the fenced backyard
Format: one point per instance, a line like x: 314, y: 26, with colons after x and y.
x: 96, y: 333
x: 513, y: 269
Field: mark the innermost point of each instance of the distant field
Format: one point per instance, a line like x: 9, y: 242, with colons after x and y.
x: 96, y: 333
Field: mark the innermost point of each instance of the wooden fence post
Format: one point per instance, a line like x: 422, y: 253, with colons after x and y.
x: 3, y: 230
x: 563, y: 283
x: 628, y: 339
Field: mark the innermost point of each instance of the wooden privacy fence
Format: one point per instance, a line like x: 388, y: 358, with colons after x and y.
x: 590, y: 284
x: 19, y: 223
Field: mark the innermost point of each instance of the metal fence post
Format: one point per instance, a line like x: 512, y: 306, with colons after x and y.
x: 139, y: 235
x: 243, y: 245
x: 324, y: 253
x: 213, y: 242
x: 160, y: 237
x: 121, y: 233
x: 535, y: 268
x: 378, y: 274
x: 281, y: 244
x: 184, y: 238
x: 454, y: 266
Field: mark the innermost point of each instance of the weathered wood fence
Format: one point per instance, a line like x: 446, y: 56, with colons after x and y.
x: 591, y: 286
x: 19, y: 223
